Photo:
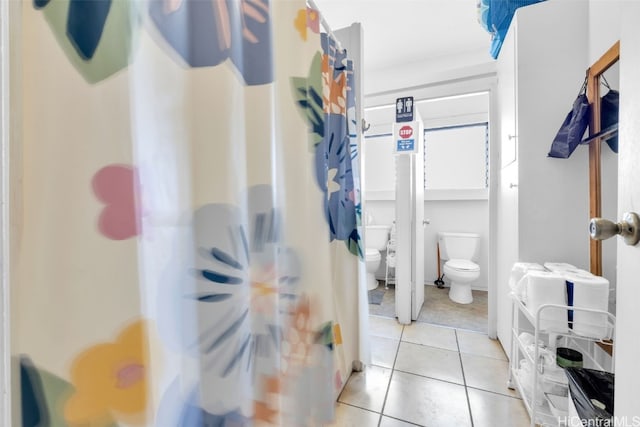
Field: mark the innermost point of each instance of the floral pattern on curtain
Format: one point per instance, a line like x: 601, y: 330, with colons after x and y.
x: 178, y: 263
x: 324, y: 99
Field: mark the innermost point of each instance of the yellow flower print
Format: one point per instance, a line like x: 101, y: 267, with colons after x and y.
x: 110, y: 381
x: 307, y: 19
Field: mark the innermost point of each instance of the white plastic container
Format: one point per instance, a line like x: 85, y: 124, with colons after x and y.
x: 559, y: 405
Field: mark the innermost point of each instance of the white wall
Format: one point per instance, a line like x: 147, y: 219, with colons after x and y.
x: 470, y: 216
x: 553, y: 193
x: 604, y: 26
x: 432, y: 71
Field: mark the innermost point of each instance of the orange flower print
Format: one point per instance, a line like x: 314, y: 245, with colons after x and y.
x: 334, y: 88
x: 110, y: 381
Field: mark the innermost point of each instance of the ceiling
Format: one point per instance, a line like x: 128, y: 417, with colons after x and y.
x: 403, y: 31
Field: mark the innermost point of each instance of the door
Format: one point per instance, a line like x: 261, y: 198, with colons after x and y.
x: 417, y: 286
x: 404, y: 237
x: 351, y: 39
x: 507, y: 204
x: 627, y: 348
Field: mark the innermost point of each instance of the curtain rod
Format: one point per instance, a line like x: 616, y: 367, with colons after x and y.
x: 325, y: 24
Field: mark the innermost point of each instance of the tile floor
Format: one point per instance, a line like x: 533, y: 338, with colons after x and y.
x: 438, y: 309
x: 428, y: 375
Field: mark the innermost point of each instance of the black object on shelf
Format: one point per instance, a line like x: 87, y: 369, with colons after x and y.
x: 592, y: 394
x: 568, y: 358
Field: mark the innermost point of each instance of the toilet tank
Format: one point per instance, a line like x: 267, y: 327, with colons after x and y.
x: 376, y: 236
x: 459, y: 246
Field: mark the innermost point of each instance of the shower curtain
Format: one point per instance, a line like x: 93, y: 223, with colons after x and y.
x: 190, y: 223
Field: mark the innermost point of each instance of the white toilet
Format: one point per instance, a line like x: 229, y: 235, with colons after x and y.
x: 376, y: 238
x: 460, y: 250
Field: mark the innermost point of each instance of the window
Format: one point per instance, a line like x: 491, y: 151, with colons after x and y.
x: 456, y: 157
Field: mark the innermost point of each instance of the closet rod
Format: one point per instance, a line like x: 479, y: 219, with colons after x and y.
x: 324, y: 23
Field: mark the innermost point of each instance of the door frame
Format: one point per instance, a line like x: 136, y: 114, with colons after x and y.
x: 484, y: 81
x: 627, y: 350
x: 5, y: 394
x: 494, y: 188
x: 10, y: 172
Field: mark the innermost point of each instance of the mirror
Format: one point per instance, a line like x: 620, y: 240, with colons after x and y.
x: 603, y: 164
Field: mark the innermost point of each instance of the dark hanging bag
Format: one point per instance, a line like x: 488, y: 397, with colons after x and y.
x: 609, y: 111
x: 572, y: 129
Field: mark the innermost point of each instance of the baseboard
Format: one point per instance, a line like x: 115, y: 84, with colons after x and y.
x: 475, y: 288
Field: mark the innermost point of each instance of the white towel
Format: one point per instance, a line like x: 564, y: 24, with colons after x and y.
x: 592, y: 292
x: 545, y: 287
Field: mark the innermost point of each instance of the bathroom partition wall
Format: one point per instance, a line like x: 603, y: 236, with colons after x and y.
x: 409, y: 220
x: 189, y: 215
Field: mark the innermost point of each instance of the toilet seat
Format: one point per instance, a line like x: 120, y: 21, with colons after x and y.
x: 462, y: 265
x: 372, y: 254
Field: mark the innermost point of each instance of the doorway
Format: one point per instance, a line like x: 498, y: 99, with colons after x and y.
x: 457, y: 184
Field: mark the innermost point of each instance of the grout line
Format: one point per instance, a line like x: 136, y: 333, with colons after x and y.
x: 464, y: 379
x: 393, y: 367
x: 465, y: 385
x: 457, y: 328
x: 432, y: 346
x: 496, y: 393
x: 360, y: 407
x: 401, y: 420
x: 429, y: 378
x: 484, y: 356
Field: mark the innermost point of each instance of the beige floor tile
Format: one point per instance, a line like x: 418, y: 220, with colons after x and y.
x: 392, y: 422
x: 486, y: 373
x: 383, y: 351
x: 385, y: 327
x: 426, y: 401
x: 431, y: 335
x: 480, y: 345
x: 430, y: 362
x: 490, y: 410
x: 367, y: 389
x: 349, y: 416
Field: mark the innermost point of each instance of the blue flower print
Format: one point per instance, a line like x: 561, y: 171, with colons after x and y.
x: 335, y: 178
x: 227, y: 309
x: 205, y: 33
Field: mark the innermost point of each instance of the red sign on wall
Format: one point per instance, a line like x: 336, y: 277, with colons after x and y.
x: 405, y: 132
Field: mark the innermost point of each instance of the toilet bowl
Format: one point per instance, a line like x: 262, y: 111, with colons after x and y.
x: 460, y: 250
x: 372, y: 259
x: 376, y: 238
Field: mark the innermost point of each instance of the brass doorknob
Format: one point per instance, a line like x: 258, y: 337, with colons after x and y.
x: 628, y: 228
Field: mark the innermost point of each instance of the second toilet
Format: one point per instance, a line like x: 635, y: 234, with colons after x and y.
x: 460, y: 251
